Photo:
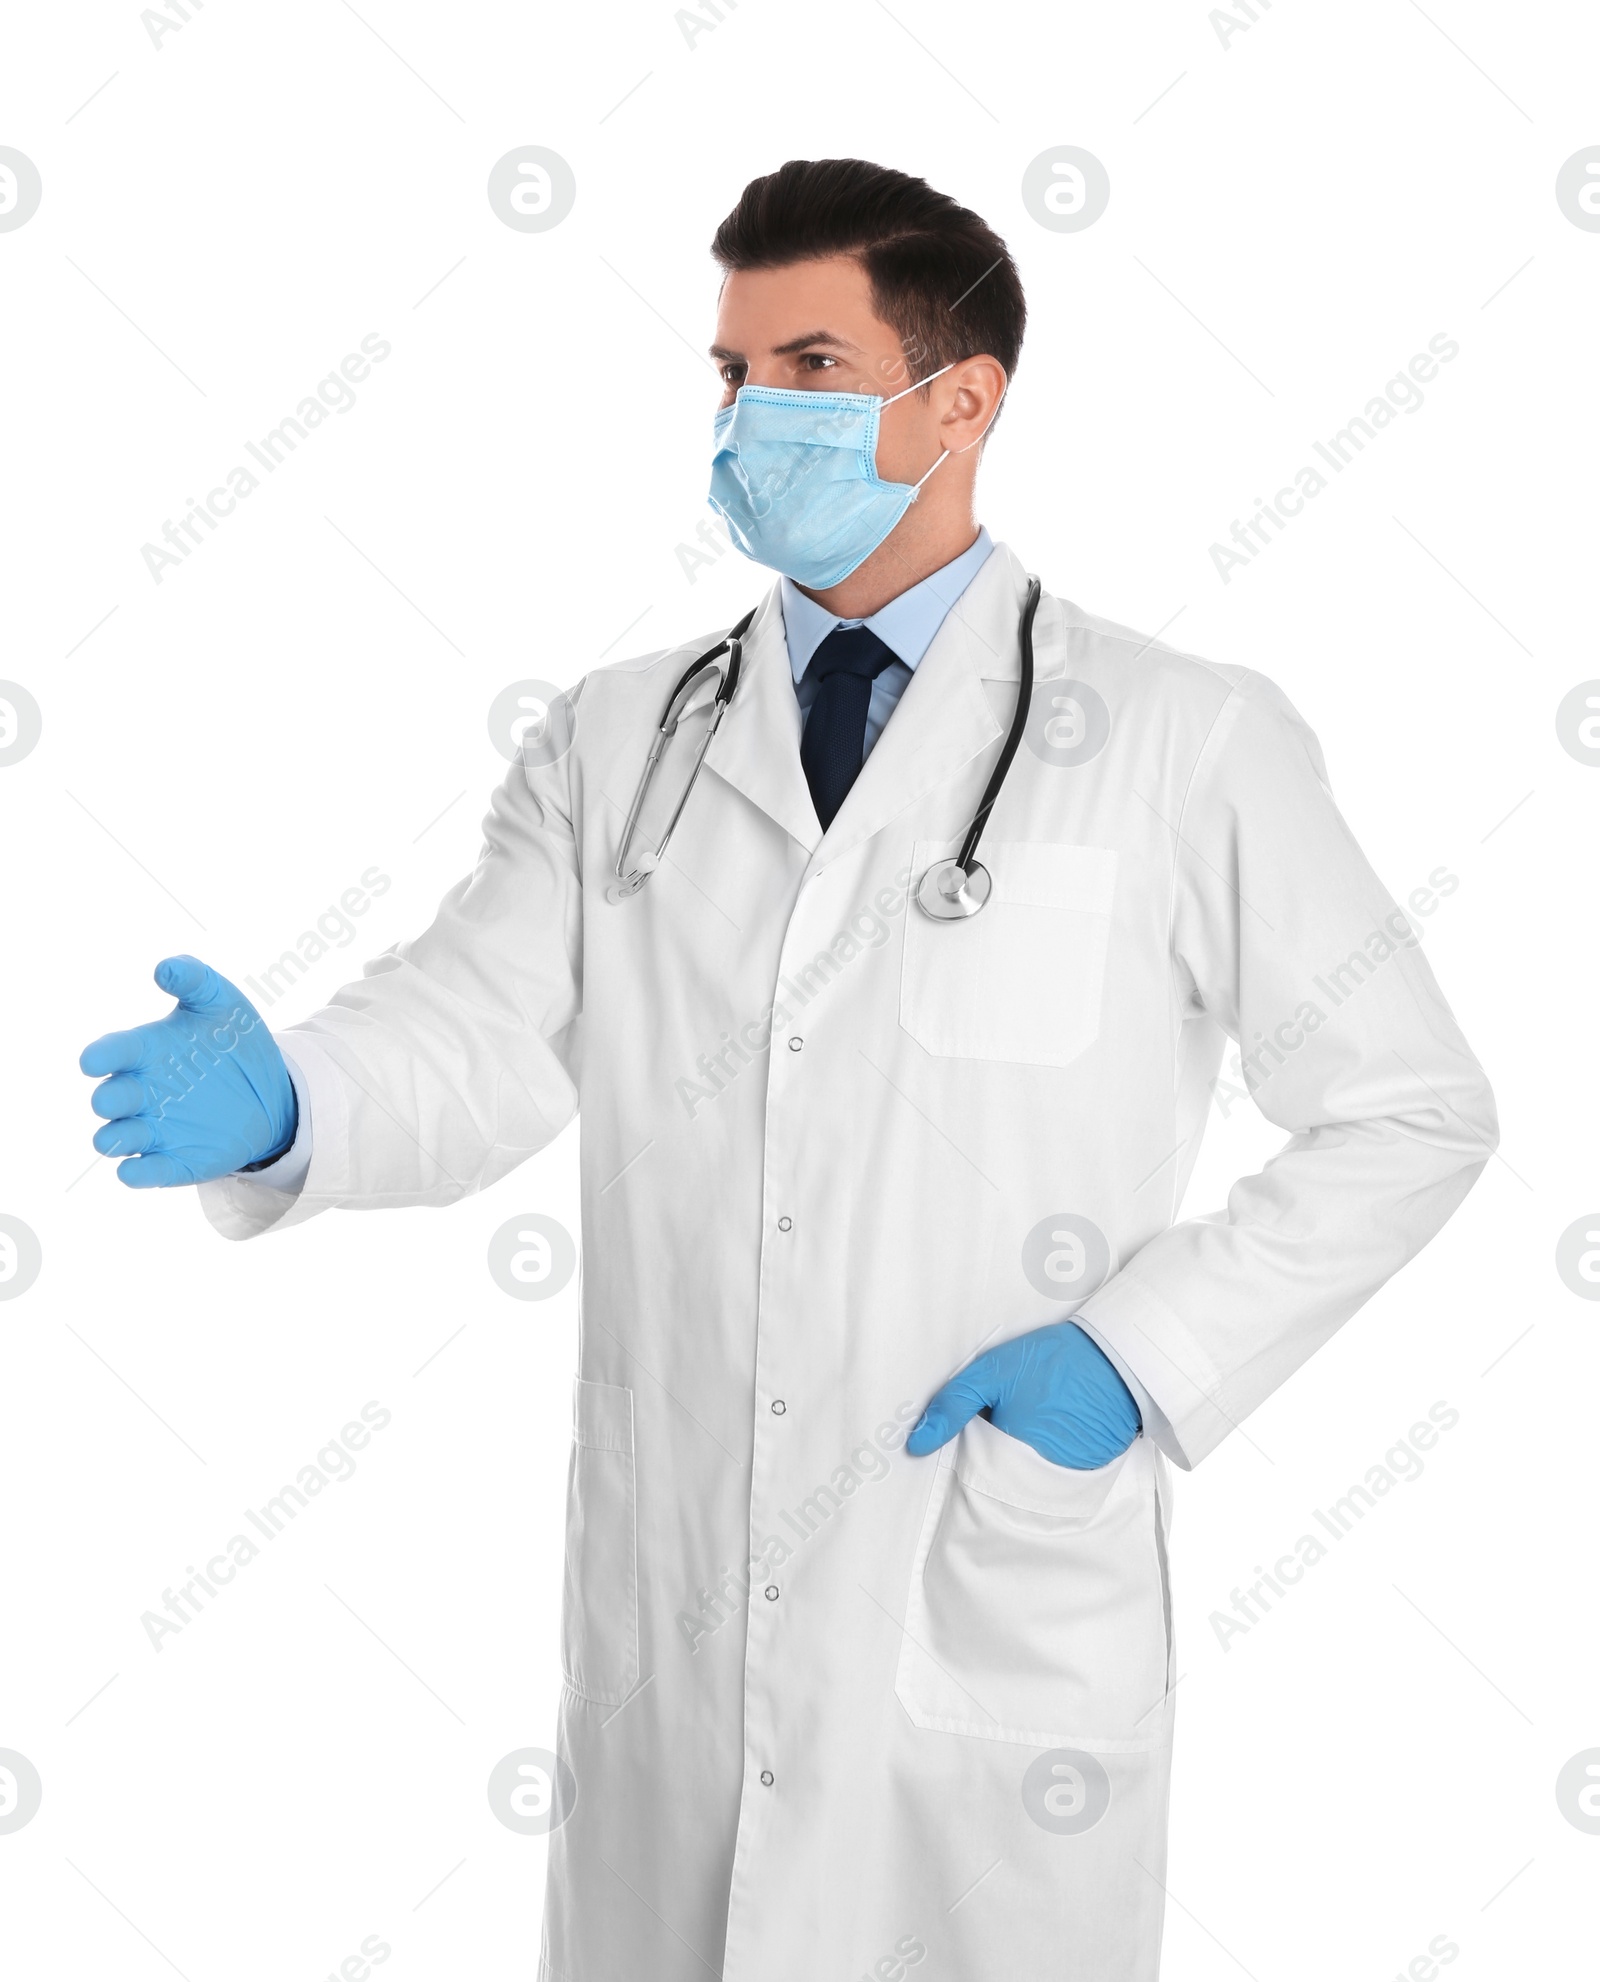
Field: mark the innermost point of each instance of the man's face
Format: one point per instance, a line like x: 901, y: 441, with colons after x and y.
x: 811, y: 327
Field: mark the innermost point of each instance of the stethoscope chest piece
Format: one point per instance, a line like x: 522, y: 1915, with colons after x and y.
x: 950, y: 892
x: 621, y: 890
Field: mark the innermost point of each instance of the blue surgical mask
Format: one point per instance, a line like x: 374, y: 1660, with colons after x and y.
x: 794, y: 476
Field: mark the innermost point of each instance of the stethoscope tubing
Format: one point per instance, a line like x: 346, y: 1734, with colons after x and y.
x: 1019, y: 723
x: 732, y: 644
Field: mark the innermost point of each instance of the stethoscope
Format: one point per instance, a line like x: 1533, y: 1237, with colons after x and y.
x: 950, y: 890
x: 731, y: 644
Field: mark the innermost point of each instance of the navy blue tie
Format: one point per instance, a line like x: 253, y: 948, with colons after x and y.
x: 845, y: 666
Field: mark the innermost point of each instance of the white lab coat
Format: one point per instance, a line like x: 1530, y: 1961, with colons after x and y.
x: 787, y: 1250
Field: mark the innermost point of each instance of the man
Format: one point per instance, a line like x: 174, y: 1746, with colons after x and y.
x: 853, y: 1170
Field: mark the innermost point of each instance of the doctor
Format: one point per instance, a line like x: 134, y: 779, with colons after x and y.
x: 889, y: 1330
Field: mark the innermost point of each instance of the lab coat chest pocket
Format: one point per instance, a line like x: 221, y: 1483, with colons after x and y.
x: 1020, y: 981
x: 1038, y: 1608
x: 600, y: 1598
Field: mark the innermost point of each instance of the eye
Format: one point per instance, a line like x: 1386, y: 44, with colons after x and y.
x: 818, y: 361
x: 731, y: 373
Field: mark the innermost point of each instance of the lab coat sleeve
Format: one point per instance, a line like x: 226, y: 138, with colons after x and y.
x: 449, y: 1061
x: 1284, y: 938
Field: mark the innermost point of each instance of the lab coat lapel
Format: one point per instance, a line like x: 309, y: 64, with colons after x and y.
x: 945, y: 717
x: 757, y: 750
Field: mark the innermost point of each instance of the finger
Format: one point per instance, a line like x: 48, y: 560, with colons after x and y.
x: 129, y: 1135
x: 196, y: 986
x: 119, y: 1052
x: 951, y: 1406
x: 158, y: 1172
x: 123, y: 1094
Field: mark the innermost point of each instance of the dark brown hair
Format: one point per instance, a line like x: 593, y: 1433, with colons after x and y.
x: 941, y: 278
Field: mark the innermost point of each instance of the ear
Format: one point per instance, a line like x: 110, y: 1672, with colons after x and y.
x: 977, y: 386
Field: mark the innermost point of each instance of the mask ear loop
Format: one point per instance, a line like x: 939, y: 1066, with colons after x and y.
x: 944, y: 456
x: 939, y: 374
x: 944, y: 452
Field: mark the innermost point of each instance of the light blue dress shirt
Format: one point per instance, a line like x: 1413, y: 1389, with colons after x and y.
x: 906, y: 624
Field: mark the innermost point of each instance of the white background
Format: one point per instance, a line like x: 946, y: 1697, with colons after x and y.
x: 224, y: 753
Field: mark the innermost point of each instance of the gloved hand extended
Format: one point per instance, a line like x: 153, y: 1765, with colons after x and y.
x: 1054, y: 1389
x: 197, y: 1094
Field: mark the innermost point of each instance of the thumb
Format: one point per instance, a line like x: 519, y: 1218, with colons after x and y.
x: 949, y: 1408
x: 195, y: 985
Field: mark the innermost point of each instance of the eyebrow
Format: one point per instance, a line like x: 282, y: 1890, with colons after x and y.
x: 793, y: 345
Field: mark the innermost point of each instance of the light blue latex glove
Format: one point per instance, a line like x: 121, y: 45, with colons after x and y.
x: 195, y: 1095
x: 1054, y: 1389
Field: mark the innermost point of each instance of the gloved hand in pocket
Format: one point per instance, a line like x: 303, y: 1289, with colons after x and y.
x: 1055, y: 1389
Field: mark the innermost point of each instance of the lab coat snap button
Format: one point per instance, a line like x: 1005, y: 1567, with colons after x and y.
x: 785, y: 1224
x: 772, y: 1593
x: 766, y: 1778
x: 778, y: 1407
x: 795, y: 1044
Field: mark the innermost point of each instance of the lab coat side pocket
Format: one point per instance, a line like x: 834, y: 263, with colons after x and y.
x: 600, y: 1597
x: 1038, y: 1609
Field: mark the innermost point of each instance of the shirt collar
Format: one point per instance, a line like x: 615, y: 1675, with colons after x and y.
x: 906, y: 624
